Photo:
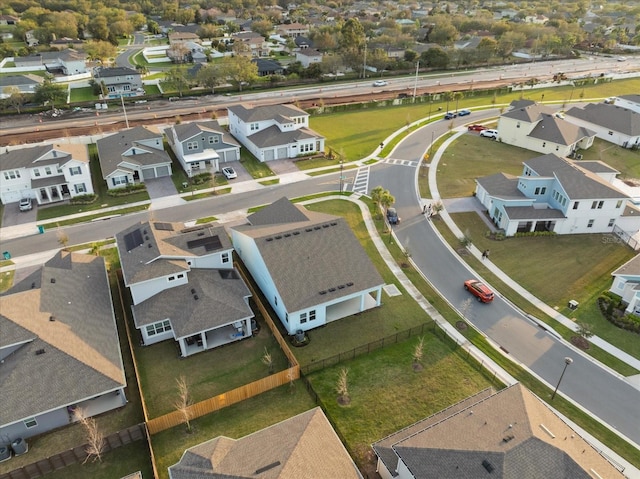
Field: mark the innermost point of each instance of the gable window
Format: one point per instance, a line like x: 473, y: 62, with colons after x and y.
x: 192, y: 145
x: 611, y: 222
x: 225, y: 257
x: 213, y: 140
x: 575, y: 205
x: 159, y: 327
x: 75, y: 170
x: 590, y: 224
x: 31, y: 422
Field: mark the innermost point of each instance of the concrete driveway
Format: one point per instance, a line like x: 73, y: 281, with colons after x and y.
x: 160, y: 187
x: 12, y: 216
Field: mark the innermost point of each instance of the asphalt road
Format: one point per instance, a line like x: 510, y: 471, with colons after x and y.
x: 597, y: 390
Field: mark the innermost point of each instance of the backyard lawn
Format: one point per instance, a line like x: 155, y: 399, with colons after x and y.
x: 625, y: 160
x: 387, y: 394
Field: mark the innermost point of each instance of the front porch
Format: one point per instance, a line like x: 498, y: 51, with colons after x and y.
x: 50, y: 190
x: 206, y: 161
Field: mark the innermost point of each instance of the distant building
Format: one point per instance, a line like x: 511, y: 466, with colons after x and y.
x: 611, y: 123
x: 119, y: 81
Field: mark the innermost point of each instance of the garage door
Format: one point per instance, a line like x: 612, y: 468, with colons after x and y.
x: 282, y: 153
x: 231, y: 155
x: 268, y: 155
x: 162, y: 171
x: 148, y: 173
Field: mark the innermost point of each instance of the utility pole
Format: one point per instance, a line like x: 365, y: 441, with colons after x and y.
x: 364, y: 66
x: 126, y: 120
x: 415, y: 84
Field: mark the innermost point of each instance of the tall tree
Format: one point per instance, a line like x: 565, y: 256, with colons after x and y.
x: 175, y: 79
x: 15, y: 97
x: 51, y: 93
x: 240, y: 70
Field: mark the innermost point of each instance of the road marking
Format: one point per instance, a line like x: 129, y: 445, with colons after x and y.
x: 361, y: 183
x: 393, y: 161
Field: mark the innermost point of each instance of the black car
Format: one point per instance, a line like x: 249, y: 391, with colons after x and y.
x: 392, y: 216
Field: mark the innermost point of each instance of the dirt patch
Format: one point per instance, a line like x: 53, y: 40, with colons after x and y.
x: 344, y: 400
x: 461, y: 325
x: 580, y: 342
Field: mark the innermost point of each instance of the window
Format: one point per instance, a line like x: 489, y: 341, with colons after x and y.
x: 192, y: 145
x: 312, y: 315
x: 160, y: 327
x: 590, y: 224
x: 600, y: 204
x: 213, y: 140
x: 47, y: 170
x: 80, y: 188
x: 275, y: 300
x: 537, y: 192
x: 75, y: 170
x: 611, y: 133
x: 254, y: 126
x: 11, y: 174
x: 31, y: 422
x: 180, y: 276
x: 36, y: 172
x: 120, y: 180
x: 286, y: 318
x: 303, y: 318
x: 619, y: 204
x: 611, y: 222
x: 225, y: 257
x: 575, y: 205
x: 171, y: 278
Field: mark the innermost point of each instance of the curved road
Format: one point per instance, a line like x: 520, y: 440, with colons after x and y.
x: 599, y: 391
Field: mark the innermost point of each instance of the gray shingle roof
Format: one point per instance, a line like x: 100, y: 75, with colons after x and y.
x: 631, y: 267
x: 81, y: 357
x: 633, y: 98
x: 609, y: 116
x: 501, y: 185
x: 578, y: 183
x: 272, y: 136
x: 28, y: 157
x: 221, y: 300
x: 16, y: 80
x: 530, y: 213
x: 107, y: 72
x: 263, y: 113
x: 163, y: 251
x: 530, y: 112
x: 304, y: 446
x: 559, y: 131
x: 111, y: 148
x: 513, y: 432
x: 186, y: 131
x: 314, y: 260
x: 279, y: 212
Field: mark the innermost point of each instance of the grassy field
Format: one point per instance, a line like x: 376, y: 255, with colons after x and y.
x: 82, y: 94
x: 387, y: 394
x: 626, y: 161
x: 254, y: 167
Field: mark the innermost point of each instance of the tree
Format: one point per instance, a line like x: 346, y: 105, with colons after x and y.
x: 342, y: 387
x: 267, y: 360
x: 376, y: 194
x: 352, y: 34
x: 583, y: 330
x: 443, y: 33
x: 486, y: 49
x: 262, y: 27
x: 100, y: 50
x: 175, y: 79
x: 183, y: 402
x: 240, y: 70
x: 387, y: 199
x: 435, y: 57
x: 50, y: 92
x: 417, y: 355
x: 209, y: 76
x: 15, y: 97
x: 99, y: 28
x: 94, y: 437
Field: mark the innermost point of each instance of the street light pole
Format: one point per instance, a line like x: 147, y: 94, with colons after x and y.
x: 567, y: 361
x: 415, y: 84
x: 126, y: 120
x: 341, y: 176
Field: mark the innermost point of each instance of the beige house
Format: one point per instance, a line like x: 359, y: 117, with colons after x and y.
x: 537, y: 128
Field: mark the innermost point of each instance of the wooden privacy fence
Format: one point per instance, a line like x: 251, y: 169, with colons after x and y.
x: 75, y: 455
x: 220, y: 401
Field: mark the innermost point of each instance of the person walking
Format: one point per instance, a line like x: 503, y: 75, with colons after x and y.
x: 485, y: 254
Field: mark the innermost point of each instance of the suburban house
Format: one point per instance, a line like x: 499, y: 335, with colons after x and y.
x: 8, y: 20
x: 630, y: 102
x: 25, y: 84
x: 132, y: 156
x: 59, y: 348
x: 119, y: 81
x: 302, y: 446
x: 555, y: 194
x: 308, y: 56
x: 184, y: 286
x: 268, y: 67
x: 46, y: 173
x: 537, y: 128
x: 274, y: 132
x: 66, y: 62
x: 292, y: 30
x: 609, y: 122
x: 202, y: 146
x: 250, y: 44
x: 310, y: 266
x: 510, y: 434
x: 626, y: 283
x: 182, y: 37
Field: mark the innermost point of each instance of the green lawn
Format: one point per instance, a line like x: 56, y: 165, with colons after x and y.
x: 626, y: 161
x: 235, y: 421
x: 254, y: 167
x: 387, y: 394
x: 208, y: 373
x: 82, y: 95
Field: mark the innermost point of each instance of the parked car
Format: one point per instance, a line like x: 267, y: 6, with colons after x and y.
x: 464, y: 112
x: 379, y: 83
x: 489, y: 134
x: 229, y: 173
x: 26, y: 204
x: 450, y: 115
x: 392, y: 216
x: 480, y: 290
x: 476, y: 128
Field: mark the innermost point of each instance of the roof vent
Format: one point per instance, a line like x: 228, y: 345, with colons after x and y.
x: 144, y: 232
x: 316, y: 227
x: 266, y: 468
x: 150, y: 245
x: 269, y: 239
x: 286, y: 235
x: 508, y: 438
x: 146, y: 238
x: 53, y: 281
x: 333, y: 223
x: 323, y: 292
x: 332, y: 290
x: 350, y: 283
x: 296, y: 233
x: 325, y: 225
x: 308, y: 230
x: 341, y: 286
x: 201, y: 233
x: 33, y: 285
x: 40, y: 351
x: 279, y: 237
x: 195, y: 296
x: 52, y: 318
x: 193, y: 291
x: 488, y: 466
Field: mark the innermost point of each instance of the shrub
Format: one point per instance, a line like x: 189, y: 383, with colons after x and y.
x: 127, y: 190
x: 201, y: 178
x: 83, y: 199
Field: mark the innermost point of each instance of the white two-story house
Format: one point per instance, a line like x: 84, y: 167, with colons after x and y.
x: 274, y: 132
x: 133, y: 156
x: 556, y: 194
x: 119, y: 81
x: 310, y: 266
x: 184, y: 286
x: 537, y: 128
x: 202, y: 146
x: 46, y: 173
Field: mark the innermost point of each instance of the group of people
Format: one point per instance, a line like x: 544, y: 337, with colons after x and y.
x: 427, y: 210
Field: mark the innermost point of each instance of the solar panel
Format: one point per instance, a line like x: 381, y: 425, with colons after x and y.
x: 133, y: 240
x: 163, y: 226
x: 210, y: 243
